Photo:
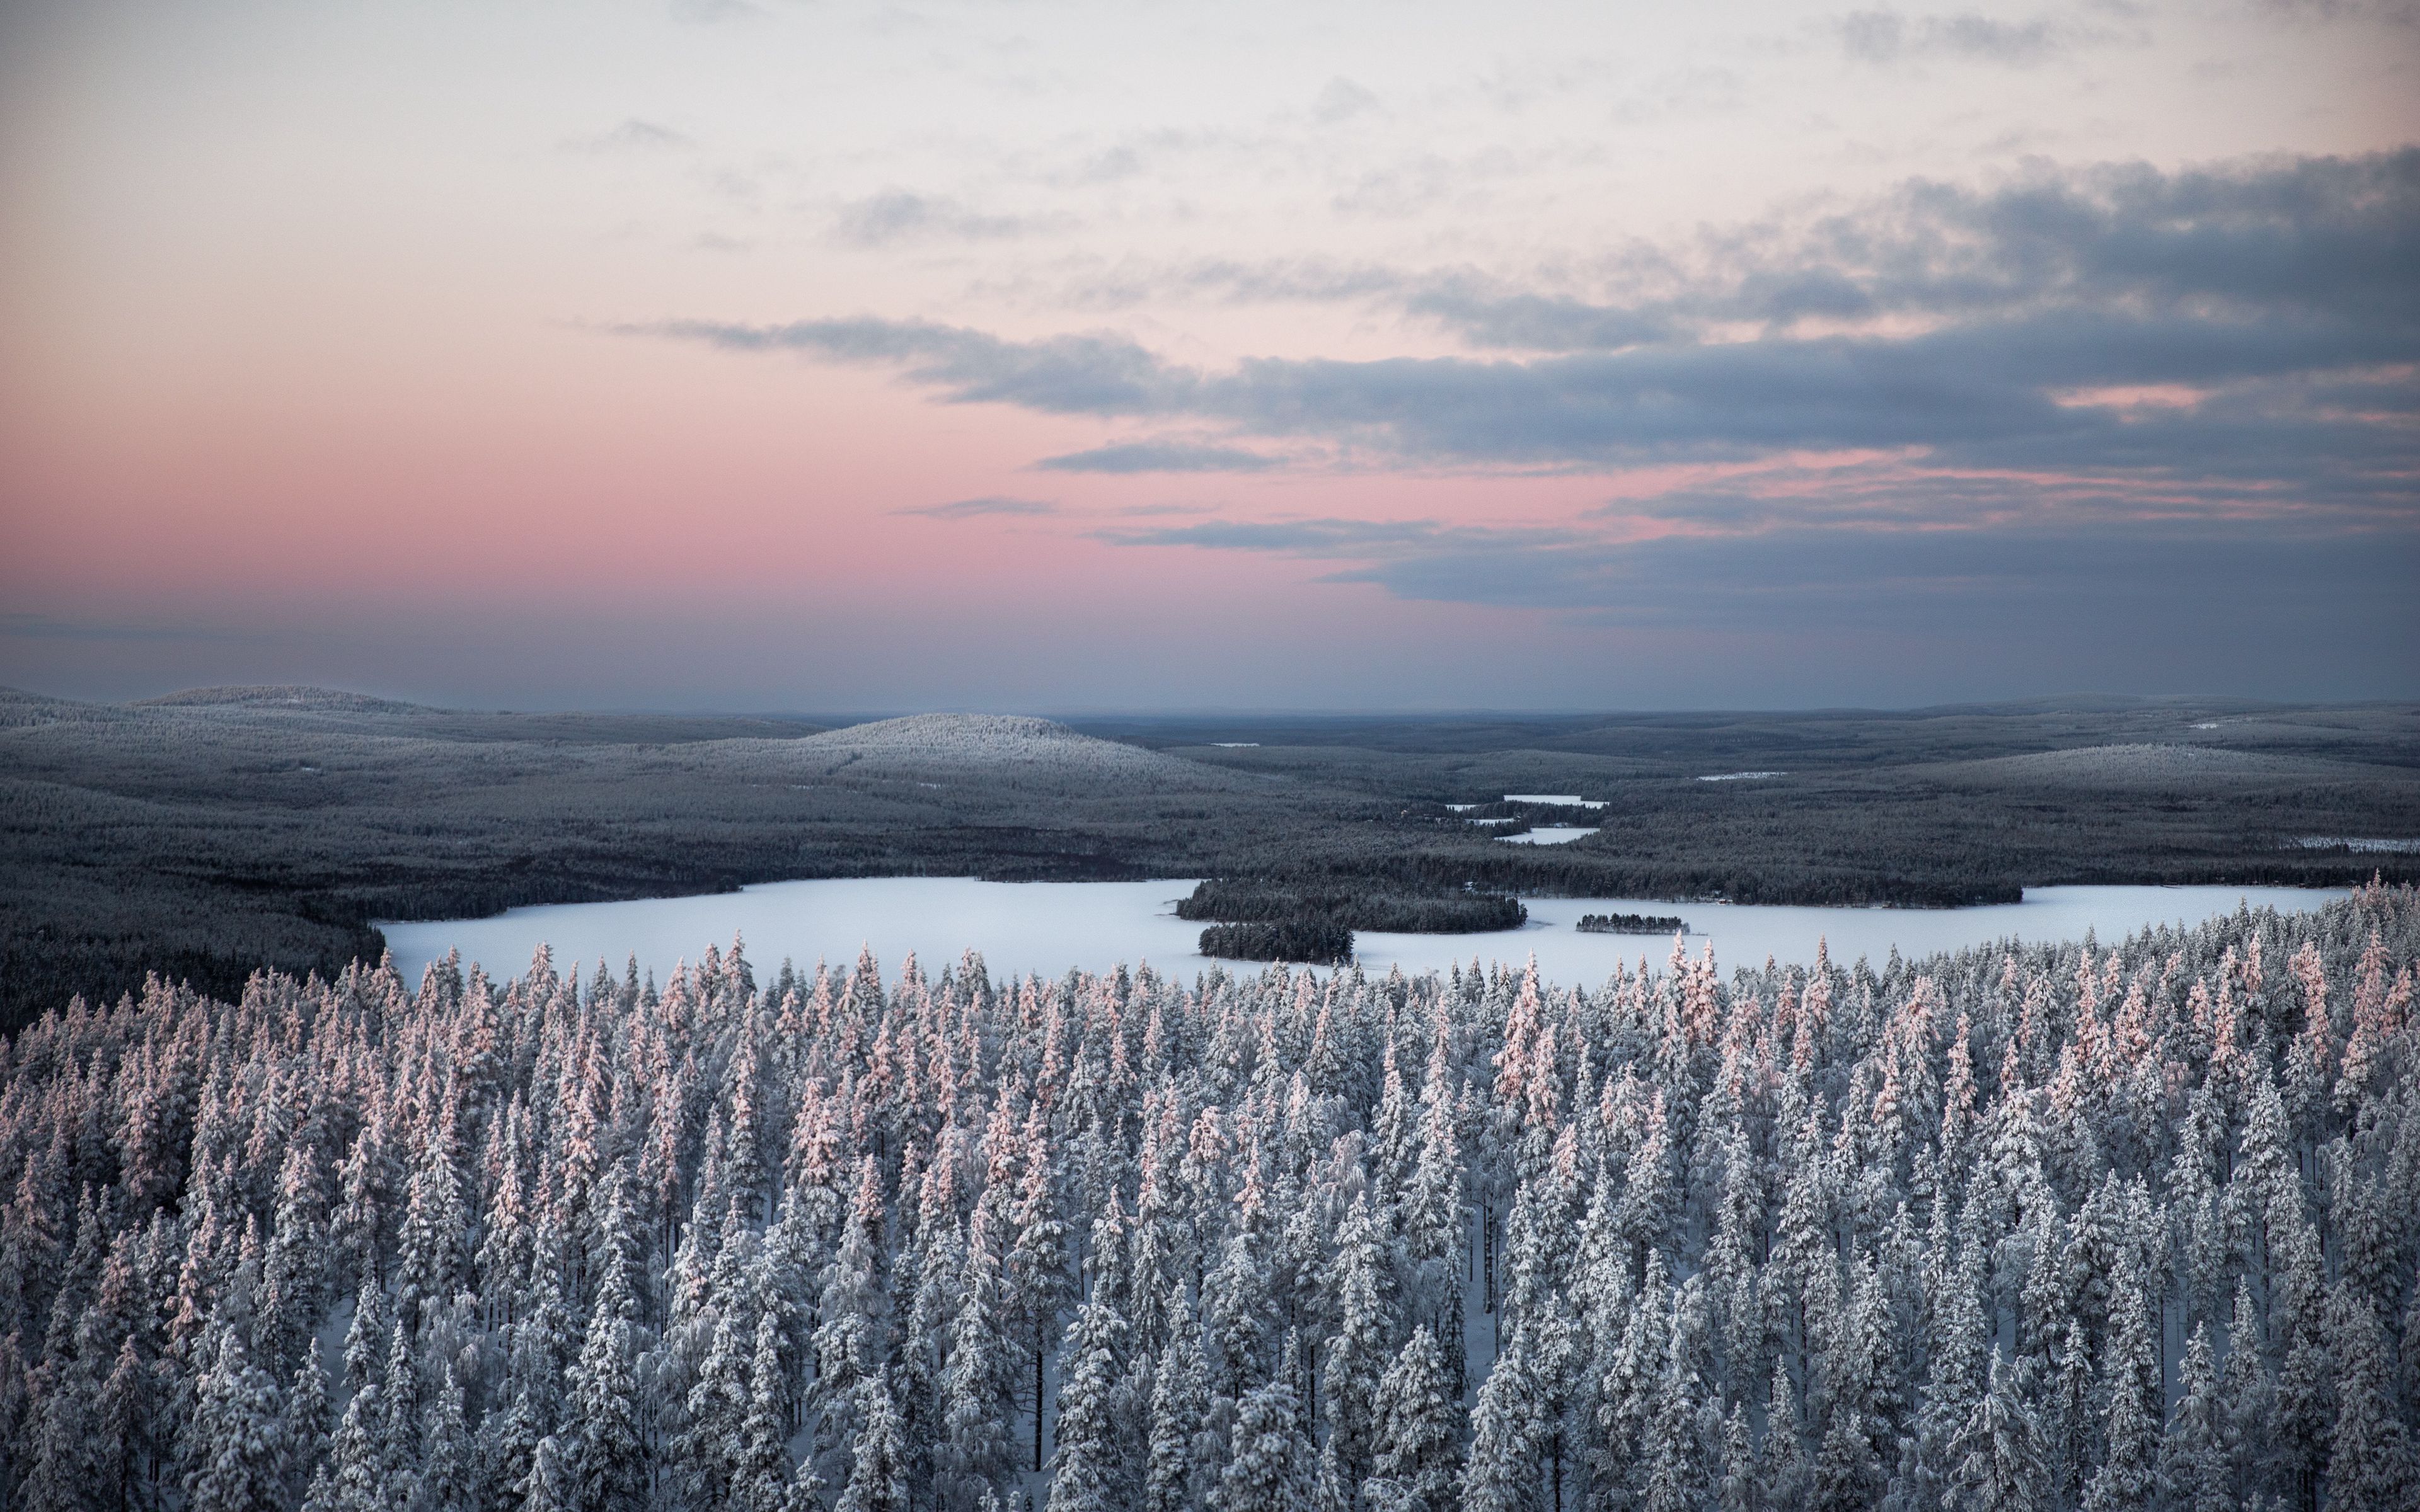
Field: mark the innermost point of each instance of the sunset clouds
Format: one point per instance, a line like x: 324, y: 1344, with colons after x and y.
x: 1798, y: 355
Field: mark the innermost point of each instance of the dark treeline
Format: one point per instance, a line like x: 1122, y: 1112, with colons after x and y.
x: 1605, y: 869
x: 1308, y: 941
x: 1631, y: 924
x: 2085, y: 1225
x: 1355, y: 904
x: 1313, y: 920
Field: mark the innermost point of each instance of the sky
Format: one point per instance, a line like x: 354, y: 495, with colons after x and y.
x: 809, y: 354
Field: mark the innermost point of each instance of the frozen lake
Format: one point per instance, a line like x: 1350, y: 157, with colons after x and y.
x: 1050, y: 926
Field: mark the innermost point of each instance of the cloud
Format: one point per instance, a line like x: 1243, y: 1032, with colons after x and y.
x: 632, y: 136
x: 1873, y: 36
x: 1975, y: 396
x: 898, y: 216
x: 988, y: 504
x: 1885, y: 36
x: 2124, y: 601
x: 714, y: 12
x: 1405, y: 189
x: 1160, y: 456
x: 2329, y: 237
x: 1965, y: 332
x: 2162, y: 580
x: 1093, y: 375
x: 1301, y: 537
x: 1341, y: 100
x: 1538, y: 322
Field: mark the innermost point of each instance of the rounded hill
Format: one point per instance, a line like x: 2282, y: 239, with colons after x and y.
x: 1002, y: 745
x: 317, y: 700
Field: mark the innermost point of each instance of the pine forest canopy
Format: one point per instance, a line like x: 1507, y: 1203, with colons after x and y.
x: 2065, y: 1227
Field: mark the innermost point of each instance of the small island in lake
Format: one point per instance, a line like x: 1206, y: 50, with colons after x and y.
x: 1319, y: 942
x: 1631, y: 924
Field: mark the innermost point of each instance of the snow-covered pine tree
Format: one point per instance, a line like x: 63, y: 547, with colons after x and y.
x: 235, y: 1434
x: 760, y: 1462
x: 1362, y: 1348
x: 852, y: 1340
x: 1269, y: 1462
x: 1178, y: 1472
x: 1038, y: 1280
x: 1417, y: 1447
x: 2372, y: 1467
x: 706, y: 1454
x: 976, y: 1456
x: 2002, y: 1462
x: 1092, y: 1468
x: 1501, y: 1472
x: 606, y: 1464
x: 2194, y: 1454
x: 877, y: 1474
x: 449, y: 1469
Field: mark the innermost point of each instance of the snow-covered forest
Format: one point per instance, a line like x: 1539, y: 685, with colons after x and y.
x: 2077, y: 1226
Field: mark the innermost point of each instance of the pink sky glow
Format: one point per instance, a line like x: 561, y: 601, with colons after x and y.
x: 761, y: 355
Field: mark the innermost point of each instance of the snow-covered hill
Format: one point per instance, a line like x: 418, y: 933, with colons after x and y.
x: 939, y: 746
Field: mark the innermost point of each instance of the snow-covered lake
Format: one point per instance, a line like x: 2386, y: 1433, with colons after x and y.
x: 1050, y: 926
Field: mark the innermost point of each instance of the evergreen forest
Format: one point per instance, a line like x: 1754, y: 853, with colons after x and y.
x: 2086, y: 1226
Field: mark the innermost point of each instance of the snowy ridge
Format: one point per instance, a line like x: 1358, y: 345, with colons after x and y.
x: 318, y: 700
x: 2131, y: 763
x: 991, y: 743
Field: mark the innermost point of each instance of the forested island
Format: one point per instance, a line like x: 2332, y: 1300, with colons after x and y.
x: 1311, y: 942
x: 1311, y: 919
x: 1631, y: 924
x: 2114, y: 1225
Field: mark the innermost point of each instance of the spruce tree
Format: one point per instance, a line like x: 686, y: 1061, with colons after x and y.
x: 976, y: 1455
x: 1502, y: 1473
x: 235, y: 1434
x: 1361, y: 1350
x: 1173, y: 1479
x: 2193, y: 1455
x: 605, y: 1469
x: 356, y: 1475
x: 304, y: 1432
x: 2002, y: 1462
x: 760, y: 1468
x: 1418, y: 1433
x: 877, y: 1474
x: 1269, y: 1465
x: 2130, y: 1432
x: 718, y: 1403
x: 2372, y: 1467
x: 122, y: 1420
x: 1093, y: 1466
x: 448, y: 1462
x: 852, y: 1340
x: 61, y: 1469
x: 1037, y: 1267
